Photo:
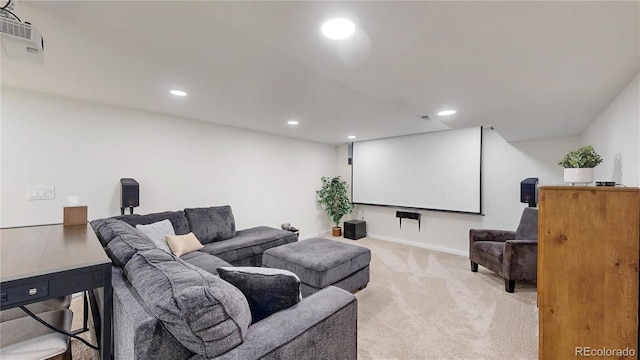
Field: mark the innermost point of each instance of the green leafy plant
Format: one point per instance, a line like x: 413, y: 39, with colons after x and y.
x: 332, y: 196
x: 584, y: 157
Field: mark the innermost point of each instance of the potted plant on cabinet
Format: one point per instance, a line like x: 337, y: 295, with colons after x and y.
x: 578, y: 165
x: 332, y: 196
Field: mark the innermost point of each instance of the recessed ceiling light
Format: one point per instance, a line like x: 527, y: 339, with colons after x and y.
x: 446, y: 112
x: 178, y: 93
x: 352, y: 136
x: 338, y: 28
x: 292, y: 122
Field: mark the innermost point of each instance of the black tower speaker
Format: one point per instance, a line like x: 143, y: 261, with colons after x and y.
x: 529, y: 191
x: 130, y: 194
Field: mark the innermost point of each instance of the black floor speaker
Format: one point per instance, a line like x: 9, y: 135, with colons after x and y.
x: 355, y: 229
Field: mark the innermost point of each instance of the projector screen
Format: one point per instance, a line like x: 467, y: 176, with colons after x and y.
x: 433, y: 171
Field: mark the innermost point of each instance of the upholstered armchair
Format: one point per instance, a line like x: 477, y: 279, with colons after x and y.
x: 511, y: 254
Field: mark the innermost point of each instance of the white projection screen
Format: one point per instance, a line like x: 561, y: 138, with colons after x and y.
x: 433, y: 171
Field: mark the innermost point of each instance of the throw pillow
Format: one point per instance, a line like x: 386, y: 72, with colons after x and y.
x: 183, y: 244
x: 267, y: 290
x: 203, y: 312
x: 157, y: 232
x: 211, y: 224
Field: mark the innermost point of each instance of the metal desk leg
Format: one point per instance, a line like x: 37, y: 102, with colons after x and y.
x: 102, y: 324
x: 85, y: 312
x: 95, y: 314
x: 107, y: 316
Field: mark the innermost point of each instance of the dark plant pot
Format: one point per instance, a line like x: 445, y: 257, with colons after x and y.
x: 337, y: 231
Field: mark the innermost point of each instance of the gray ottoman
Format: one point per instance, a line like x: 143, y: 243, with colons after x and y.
x: 322, y: 262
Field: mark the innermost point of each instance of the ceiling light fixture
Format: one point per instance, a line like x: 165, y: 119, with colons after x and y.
x: 178, y: 93
x: 446, y: 112
x: 338, y: 28
x: 352, y: 136
x: 292, y: 122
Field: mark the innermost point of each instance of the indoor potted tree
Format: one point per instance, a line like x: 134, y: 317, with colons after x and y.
x: 578, y: 165
x: 332, y: 196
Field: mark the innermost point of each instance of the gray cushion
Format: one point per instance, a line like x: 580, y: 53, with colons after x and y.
x: 489, y: 254
x: 177, y: 218
x: 249, y: 243
x: 212, y: 223
x: 121, y: 240
x: 204, y: 261
x: 124, y: 245
x: 267, y: 290
x: 528, y: 227
x: 318, y: 262
x: 204, y: 313
x: 157, y: 232
x: 107, y: 229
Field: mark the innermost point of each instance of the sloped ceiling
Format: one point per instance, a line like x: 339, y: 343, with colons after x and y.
x: 530, y: 69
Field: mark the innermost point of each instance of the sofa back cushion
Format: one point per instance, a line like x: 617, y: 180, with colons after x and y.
x: 122, y: 248
x: 204, y: 313
x: 120, y: 240
x: 177, y: 218
x: 528, y: 227
x: 107, y: 229
x: 212, y: 223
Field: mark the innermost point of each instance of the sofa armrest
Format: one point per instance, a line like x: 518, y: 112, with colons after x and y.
x: 321, y: 326
x: 490, y: 235
x: 137, y: 334
x: 520, y: 260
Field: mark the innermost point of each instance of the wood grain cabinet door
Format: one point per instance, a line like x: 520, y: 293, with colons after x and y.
x: 588, y: 251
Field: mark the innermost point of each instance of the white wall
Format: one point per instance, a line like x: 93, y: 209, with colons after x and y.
x: 81, y: 148
x: 615, y: 134
x: 84, y: 148
x: 505, y: 165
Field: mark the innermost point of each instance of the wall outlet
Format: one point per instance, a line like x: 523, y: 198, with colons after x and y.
x: 41, y: 192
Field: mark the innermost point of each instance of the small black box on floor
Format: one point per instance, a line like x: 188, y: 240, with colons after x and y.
x: 355, y: 229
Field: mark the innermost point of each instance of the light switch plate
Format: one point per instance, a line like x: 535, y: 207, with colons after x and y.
x: 41, y: 192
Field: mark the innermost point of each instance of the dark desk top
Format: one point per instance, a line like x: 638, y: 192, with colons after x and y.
x: 38, y: 250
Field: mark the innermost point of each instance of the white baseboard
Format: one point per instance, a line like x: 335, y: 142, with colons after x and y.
x: 320, y: 234
x: 420, y: 245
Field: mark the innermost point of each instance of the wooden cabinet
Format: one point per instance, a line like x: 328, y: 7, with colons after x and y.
x: 588, y: 272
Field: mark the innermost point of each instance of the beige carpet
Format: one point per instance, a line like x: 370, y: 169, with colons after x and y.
x: 423, y: 304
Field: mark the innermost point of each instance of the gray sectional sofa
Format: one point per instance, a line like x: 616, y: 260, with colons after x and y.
x: 169, y: 307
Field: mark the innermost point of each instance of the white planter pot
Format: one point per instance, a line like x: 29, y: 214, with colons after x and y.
x: 578, y: 175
